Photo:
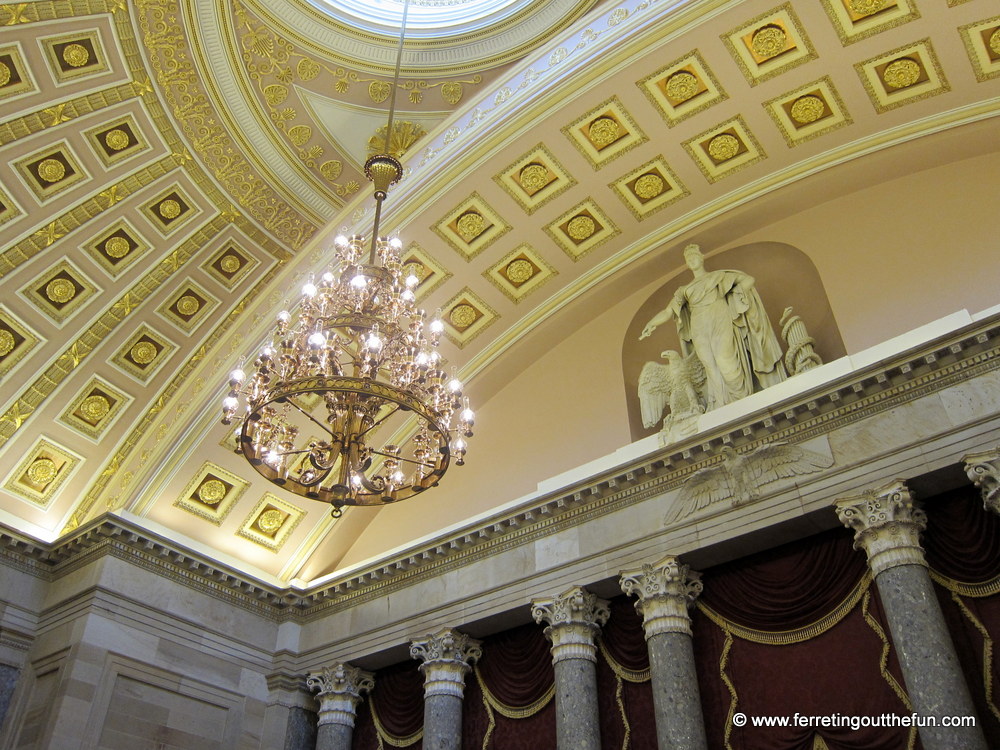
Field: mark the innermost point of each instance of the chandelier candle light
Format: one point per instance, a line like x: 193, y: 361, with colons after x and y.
x: 356, y: 361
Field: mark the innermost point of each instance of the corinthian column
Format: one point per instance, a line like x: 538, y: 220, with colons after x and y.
x: 447, y: 657
x: 984, y: 471
x: 665, y: 592
x: 574, y: 620
x: 340, y: 689
x: 887, y: 527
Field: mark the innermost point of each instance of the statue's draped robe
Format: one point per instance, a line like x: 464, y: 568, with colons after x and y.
x: 721, y: 319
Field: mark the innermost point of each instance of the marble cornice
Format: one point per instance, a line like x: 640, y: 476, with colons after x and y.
x: 955, y: 357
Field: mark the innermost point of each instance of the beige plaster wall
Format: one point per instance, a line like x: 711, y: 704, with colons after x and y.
x: 892, y: 255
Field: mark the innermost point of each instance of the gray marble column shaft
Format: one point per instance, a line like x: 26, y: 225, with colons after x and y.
x: 574, y: 619
x: 447, y: 657
x: 340, y: 688
x: 887, y: 526
x: 665, y: 591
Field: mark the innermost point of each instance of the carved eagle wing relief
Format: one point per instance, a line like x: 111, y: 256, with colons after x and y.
x: 654, y: 392
x: 739, y: 478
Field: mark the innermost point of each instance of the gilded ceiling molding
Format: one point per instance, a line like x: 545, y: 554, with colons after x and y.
x: 146, y: 461
x: 481, y: 49
x: 50, y: 117
x: 181, y: 84
x: 87, y: 209
x: 36, y: 393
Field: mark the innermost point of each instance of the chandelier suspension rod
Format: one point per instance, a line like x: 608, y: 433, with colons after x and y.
x: 380, y: 195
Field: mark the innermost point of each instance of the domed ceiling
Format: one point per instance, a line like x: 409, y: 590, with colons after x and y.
x: 174, y: 171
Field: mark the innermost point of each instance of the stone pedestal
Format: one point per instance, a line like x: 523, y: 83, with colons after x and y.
x: 574, y: 619
x: 447, y: 657
x: 887, y: 526
x: 340, y: 688
x: 665, y: 592
x: 984, y: 471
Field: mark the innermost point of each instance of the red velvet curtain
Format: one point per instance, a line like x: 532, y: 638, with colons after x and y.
x: 625, y: 704
x: 398, y: 700
x: 834, y: 672
x: 516, y: 668
x: 963, y: 547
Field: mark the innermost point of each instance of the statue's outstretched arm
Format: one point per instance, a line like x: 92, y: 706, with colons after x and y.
x: 656, y: 321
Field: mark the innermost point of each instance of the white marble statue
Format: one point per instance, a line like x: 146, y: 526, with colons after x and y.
x: 721, y: 319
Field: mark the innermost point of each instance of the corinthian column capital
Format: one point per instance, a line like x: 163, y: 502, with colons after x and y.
x: 665, y: 590
x: 984, y: 471
x: 574, y: 619
x: 447, y: 657
x: 887, y: 525
x: 339, y: 689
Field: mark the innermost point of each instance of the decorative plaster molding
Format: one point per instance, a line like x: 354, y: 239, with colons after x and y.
x: 887, y: 526
x: 984, y: 471
x: 574, y: 620
x: 665, y: 592
x: 447, y: 657
x: 339, y: 688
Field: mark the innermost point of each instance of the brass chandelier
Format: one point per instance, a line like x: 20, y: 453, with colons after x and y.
x: 354, y: 363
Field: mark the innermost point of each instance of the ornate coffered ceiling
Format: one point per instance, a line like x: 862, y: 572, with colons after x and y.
x: 172, y: 169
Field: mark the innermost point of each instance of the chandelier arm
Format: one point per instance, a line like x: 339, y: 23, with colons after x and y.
x: 310, y: 417
x: 402, y: 458
x: 395, y: 408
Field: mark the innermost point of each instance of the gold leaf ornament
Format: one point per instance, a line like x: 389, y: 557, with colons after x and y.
x: 867, y: 7
x: 534, y: 177
x: 60, y: 291
x: 649, y: 186
x: 995, y: 41
x: 169, y: 209
x: 769, y: 40
x: 116, y: 139
x: 143, y: 352
x: 604, y: 131
x: 901, y: 73
x: 75, y: 55
x: 95, y: 407
x: 807, y: 109
x: 7, y: 342
x: 270, y: 520
x: 463, y: 315
x: 275, y: 94
x: 117, y: 247
x: 188, y: 305
x: 681, y: 86
x: 723, y: 146
x: 5, y: 74
x: 470, y: 225
x: 42, y: 471
x: 331, y: 169
x: 307, y: 69
x: 230, y: 263
x: 379, y: 91
x: 452, y: 92
x: 211, y: 491
x: 520, y: 270
x: 51, y: 170
x: 581, y: 227
x: 300, y: 134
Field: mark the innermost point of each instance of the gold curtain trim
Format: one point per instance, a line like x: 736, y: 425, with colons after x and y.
x: 620, y: 670
x: 785, y: 637
x: 392, y: 739
x: 512, y: 712
x: 723, y: 663
x: 621, y: 709
x: 884, y: 663
x: 972, y: 590
x: 987, y: 652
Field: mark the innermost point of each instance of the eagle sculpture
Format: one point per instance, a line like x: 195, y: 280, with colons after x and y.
x: 739, y: 477
x: 675, y: 384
